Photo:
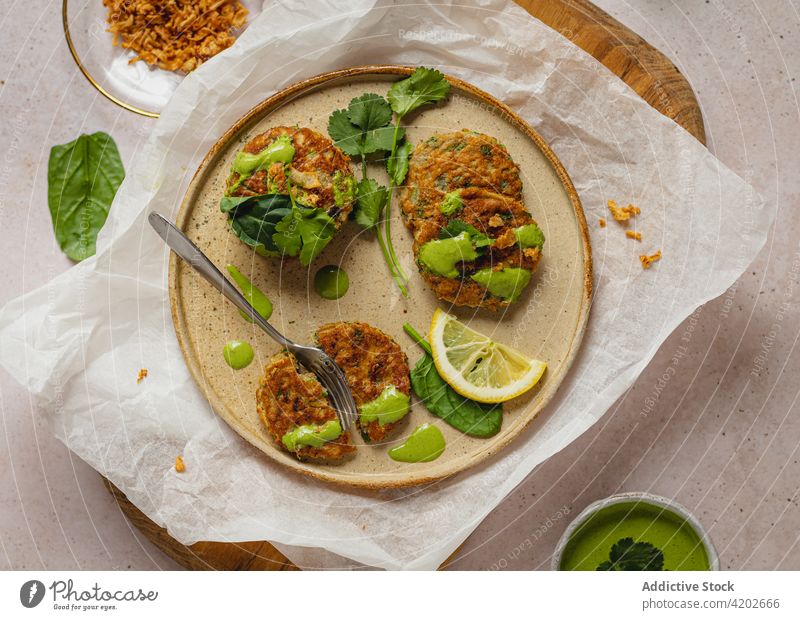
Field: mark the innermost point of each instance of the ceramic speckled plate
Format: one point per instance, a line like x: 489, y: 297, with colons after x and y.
x: 547, y: 323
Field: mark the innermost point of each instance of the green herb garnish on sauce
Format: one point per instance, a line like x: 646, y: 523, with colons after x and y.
x: 629, y: 555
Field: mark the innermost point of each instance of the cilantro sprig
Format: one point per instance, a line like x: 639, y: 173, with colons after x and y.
x: 365, y: 129
x: 626, y: 554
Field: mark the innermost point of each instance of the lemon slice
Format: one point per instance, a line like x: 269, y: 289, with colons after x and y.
x: 476, y: 366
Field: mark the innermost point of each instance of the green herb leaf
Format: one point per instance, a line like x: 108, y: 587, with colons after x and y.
x: 372, y: 199
x: 397, y: 165
x: 421, y: 87
x: 470, y: 417
x: 346, y: 135
x: 456, y: 227
x: 357, y: 142
x: 628, y: 555
x: 253, y: 219
x: 82, y: 179
x: 369, y: 111
x: 304, y: 232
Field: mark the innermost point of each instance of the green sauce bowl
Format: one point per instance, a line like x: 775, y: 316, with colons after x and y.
x: 644, y: 517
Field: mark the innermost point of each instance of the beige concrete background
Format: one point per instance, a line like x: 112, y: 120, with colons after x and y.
x: 722, y: 435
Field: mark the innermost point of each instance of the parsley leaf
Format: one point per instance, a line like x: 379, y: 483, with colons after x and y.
x: 372, y: 199
x: 421, y: 87
x: 628, y: 555
x: 369, y: 111
x: 397, y: 165
x: 346, y: 135
x: 304, y: 232
x: 456, y: 227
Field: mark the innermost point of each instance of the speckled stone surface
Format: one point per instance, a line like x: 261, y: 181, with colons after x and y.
x: 718, y: 431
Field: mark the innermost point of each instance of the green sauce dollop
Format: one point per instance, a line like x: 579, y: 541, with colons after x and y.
x: 311, y: 435
x: 425, y: 444
x: 389, y: 407
x: 591, y: 543
x: 252, y: 294
x: 529, y: 236
x: 508, y: 283
x: 344, y: 188
x: 238, y: 354
x: 331, y: 282
x: 441, y: 255
x: 279, y: 150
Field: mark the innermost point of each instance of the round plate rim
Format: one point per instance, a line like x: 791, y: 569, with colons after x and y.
x: 252, y: 116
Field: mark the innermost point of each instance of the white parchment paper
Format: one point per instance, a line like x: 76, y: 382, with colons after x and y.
x: 78, y: 342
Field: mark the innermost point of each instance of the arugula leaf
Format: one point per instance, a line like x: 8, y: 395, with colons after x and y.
x: 369, y: 111
x: 397, y: 164
x: 456, y: 227
x: 346, y: 135
x: 253, y: 219
x: 372, y: 199
x: 304, y: 232
x: 421, y: 87
x: 468, y: 416
x: 628, y: 555
x: 82, y: 179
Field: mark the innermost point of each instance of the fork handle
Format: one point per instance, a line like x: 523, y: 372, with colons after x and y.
x: 188, y: 251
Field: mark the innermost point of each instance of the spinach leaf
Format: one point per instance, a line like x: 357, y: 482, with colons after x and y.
x: 253, y: 219
x: 82, y: 179
x: 470, y: 417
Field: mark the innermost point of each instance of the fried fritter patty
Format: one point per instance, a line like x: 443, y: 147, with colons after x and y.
x: 493, y: 215
x: 286, y: 399
x: 312, y: 171
x: 463, y: 159
x: 371, y: 360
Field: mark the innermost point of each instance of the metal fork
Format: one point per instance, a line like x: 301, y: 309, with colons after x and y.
x: 312, y: 358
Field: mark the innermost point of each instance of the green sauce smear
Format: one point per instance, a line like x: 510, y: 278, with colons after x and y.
x: 331, y: 282
x: 425, y: 444
x: 344, y: 188
x: 508, y: 283
x: 246, y: 164
x: 389, y: 407
x: 238, y: 354
x: 252, y: 294
x: 312, y: 435
x: 591, y: 543
x: 441, y: 255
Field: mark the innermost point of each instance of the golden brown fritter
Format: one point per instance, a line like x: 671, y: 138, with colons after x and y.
x: 286, y: 399
x: 493, y: 215
x: 463, y: 159
x: 311, y: 172
x: 371, y: 360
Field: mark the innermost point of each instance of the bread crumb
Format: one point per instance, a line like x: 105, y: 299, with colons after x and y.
x: 622, y: 214
x: 633, y: 235
x: 649, y: 260
x: 495, y: 221
x: 142, y: 374
x: 602, y: 223
x: 180, y: 466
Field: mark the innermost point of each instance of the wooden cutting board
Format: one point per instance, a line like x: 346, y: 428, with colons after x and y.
x: 646, y: 70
